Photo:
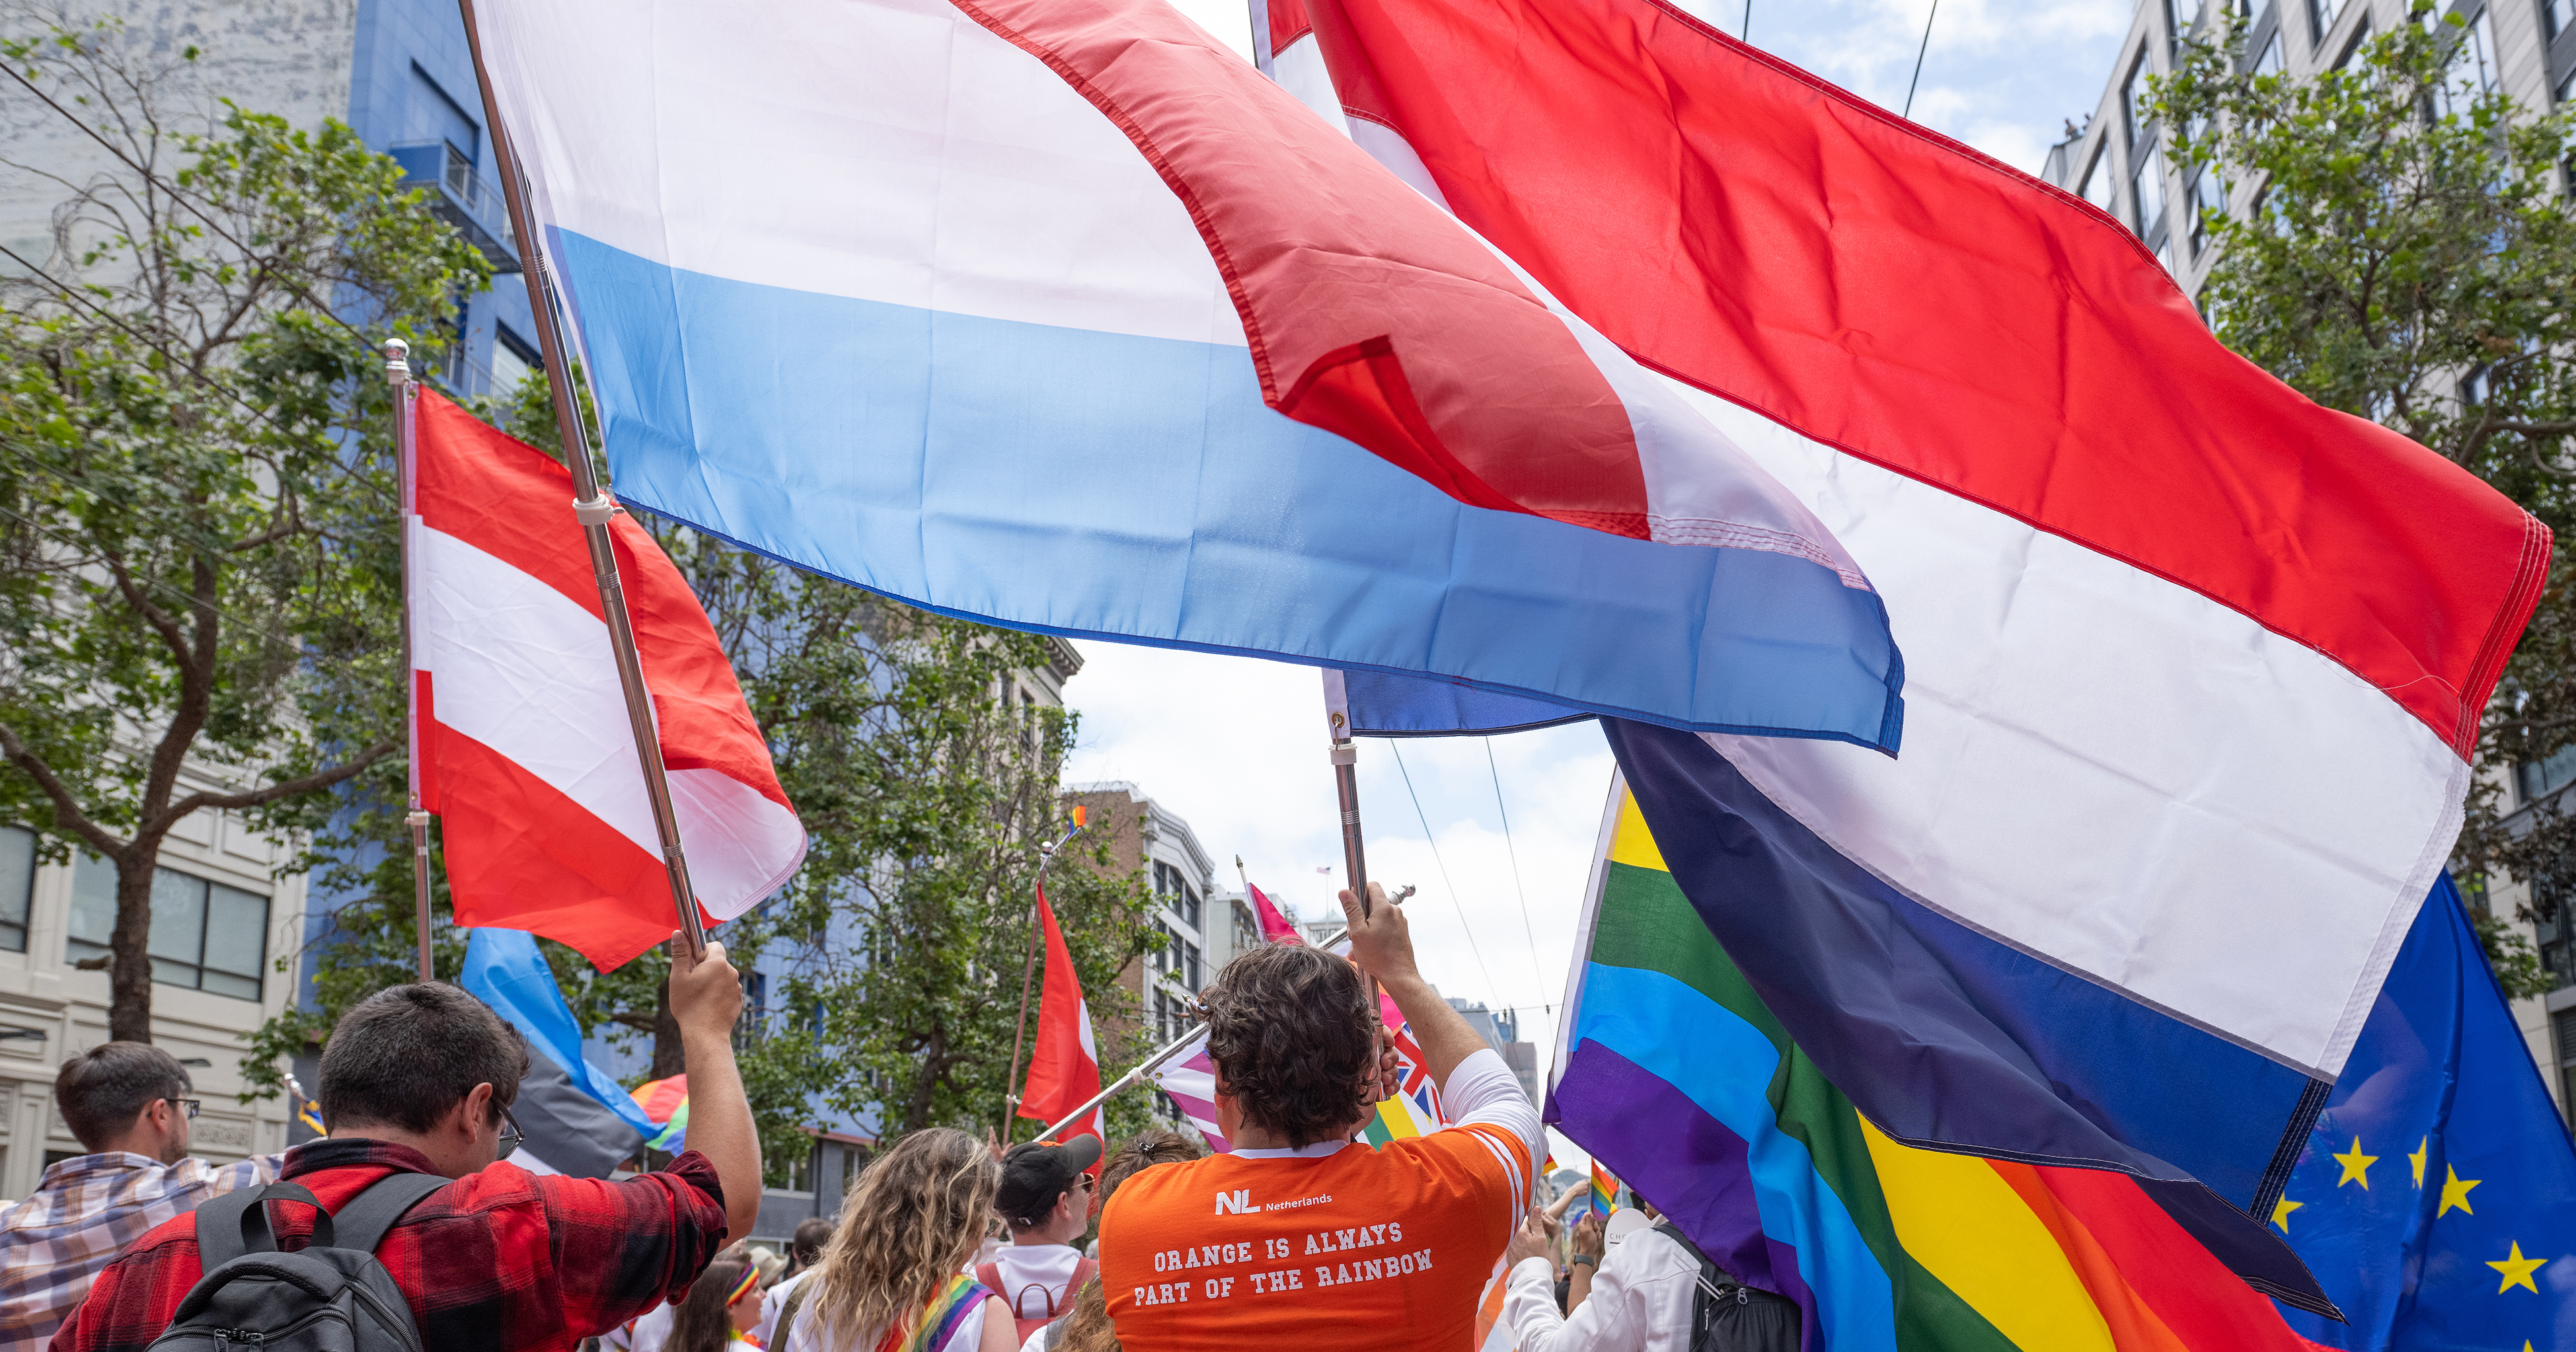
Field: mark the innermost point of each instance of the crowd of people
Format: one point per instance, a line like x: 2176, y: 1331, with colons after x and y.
x: 943, y: 1243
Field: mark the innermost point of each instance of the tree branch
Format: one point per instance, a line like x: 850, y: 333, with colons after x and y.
x: 319, y: 779
x: 67, y: 812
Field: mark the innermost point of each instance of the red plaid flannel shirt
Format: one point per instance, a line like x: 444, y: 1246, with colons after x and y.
x: 500, y: 1261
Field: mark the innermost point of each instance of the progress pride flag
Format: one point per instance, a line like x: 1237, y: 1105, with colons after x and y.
x: 520, y: 738
x: 2194, y: 665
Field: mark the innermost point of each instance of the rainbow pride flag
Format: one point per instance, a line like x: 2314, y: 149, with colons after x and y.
x: 666, y: 1102
x: 1671, y: 1070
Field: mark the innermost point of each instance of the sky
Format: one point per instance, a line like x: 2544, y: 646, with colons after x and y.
x: 1236, y: 745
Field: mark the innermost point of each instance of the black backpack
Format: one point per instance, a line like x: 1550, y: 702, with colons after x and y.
x: 1728, y: 1316
x: 330, y: 1296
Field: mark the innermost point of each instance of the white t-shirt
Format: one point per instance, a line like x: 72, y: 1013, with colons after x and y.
x: 774, y: 1300
x: 1033, y: 1275
x: 649, y: 1331
x: 809, y: 1335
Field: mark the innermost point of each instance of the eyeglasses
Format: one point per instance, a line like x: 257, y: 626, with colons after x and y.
x: 1083, y: 1181
x: 188, y: 1106
x: 510, y: 1133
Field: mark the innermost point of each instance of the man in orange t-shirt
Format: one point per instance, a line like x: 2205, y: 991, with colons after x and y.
x: 1303, y: 1236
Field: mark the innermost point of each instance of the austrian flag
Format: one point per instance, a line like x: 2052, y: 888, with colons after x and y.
x: 1064, y: 1068
x: 520, y: 739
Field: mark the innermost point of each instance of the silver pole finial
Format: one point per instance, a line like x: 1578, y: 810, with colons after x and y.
x: 397, y: 362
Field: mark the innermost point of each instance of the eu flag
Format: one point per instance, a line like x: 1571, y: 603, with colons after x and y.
x: 2436, y: 1200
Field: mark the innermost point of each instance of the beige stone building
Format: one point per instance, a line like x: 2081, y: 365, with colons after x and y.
x: 221, y: 920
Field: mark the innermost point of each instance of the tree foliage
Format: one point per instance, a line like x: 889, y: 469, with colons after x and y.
x: 2408, y: 260
x: 197, y: 548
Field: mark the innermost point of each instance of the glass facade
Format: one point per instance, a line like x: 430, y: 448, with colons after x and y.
x: 17, y: 885
x: 205, y: 936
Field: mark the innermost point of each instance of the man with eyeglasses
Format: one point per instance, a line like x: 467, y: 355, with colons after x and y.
x: 128, y: 1104
x: 1045, y: 1198
x: 419, y: 1079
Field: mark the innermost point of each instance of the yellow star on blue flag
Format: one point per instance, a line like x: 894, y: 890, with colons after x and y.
x: 2468, y: 1257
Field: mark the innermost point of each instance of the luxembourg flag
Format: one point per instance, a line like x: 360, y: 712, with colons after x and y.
x: 1064, y: 1066
x: 2195, y: 667
x: 520, y: 741
x: 1054, y: 313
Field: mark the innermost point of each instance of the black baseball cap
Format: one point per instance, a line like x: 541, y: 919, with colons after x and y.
x: 1037, y: 1173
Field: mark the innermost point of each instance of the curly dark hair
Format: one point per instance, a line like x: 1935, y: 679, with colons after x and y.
x: 1289, y: 1030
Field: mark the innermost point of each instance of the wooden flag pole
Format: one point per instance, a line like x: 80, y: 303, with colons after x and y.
x: 1346, y: 784
x: 593, y: 508
x: 406, y: 392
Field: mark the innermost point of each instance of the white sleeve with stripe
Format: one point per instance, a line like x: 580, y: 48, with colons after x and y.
x: 1483, y: 1091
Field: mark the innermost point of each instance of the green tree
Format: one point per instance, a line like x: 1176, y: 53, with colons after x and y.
x: 197, y: 542
x: 2408, y: 259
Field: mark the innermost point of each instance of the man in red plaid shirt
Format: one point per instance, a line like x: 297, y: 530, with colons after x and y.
x: 420, y: 1078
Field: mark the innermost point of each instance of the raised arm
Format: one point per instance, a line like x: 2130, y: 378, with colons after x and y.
x: 706, y: 1000
x: 1383, y: 947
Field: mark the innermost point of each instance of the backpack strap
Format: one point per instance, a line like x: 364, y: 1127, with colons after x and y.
x: 990, y: 1274
x: 1709, y: 1277
x: 225, y: 1224
x: 368, y: 1217
x: 787, y: 1315
x: 1083, y: 1270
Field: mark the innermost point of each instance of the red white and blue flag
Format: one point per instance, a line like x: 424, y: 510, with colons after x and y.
x: 520, y: 740
x: 2194, y: 665
x: 1056, y: 313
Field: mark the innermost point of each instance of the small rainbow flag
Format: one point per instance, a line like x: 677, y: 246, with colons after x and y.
x: 666, y: 1102
x: 1605, y: 1191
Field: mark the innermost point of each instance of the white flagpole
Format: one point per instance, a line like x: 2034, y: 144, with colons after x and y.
x: 406, y: 404
x: 593, y: 508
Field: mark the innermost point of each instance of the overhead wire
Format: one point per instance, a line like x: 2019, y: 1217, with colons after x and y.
x: 1918, y: 57
x: 182, y: 199
x: 1434, y: 841
x: 1528, y: 930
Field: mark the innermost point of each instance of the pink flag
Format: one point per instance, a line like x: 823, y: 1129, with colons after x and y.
x: 1275, y: 928
x: 520, y: 735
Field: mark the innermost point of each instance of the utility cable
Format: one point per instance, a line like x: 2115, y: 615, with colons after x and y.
x: 182, y: 199
x: 73, y: 295
x: 1918, y: 56
x: 1527, y: 930
x: 1445, y: 879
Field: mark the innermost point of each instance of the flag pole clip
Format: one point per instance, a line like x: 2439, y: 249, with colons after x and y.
x: 598, y: 511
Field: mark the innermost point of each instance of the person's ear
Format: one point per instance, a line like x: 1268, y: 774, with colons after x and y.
x: 478, y: 1109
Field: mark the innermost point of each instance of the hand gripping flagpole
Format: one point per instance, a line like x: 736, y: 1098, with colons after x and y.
x: 1011, y: 1086
x: 398, y: 375
x: 593, y: 508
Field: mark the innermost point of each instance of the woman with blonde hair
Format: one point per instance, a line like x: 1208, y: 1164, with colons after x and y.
x: 892, y: 1278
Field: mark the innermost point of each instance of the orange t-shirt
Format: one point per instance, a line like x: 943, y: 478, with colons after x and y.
x: 1361, y: 1248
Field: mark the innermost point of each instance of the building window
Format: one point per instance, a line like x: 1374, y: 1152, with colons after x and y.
x: 2209, y: 198
x: 2559, y: 15
x: 2148, y: 191
x: 2538, y: 779
x: 2562, y: 1027
x: 2173, y: 28
x: 17, y: 885
x: 1178, y: 894
x: 205, y: 936
x: 2269, y: 63
x: 2097, y: 180
x: 2321, y: 17
x: 2133, y: 98
x: 2555, y: 927
x: 513, y: 361
x: 792, y: 1172
x: 1190, y: 965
